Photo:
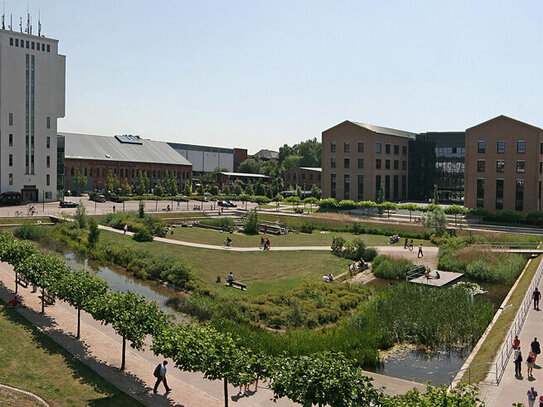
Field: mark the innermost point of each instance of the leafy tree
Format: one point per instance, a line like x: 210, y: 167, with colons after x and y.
x: 126, y: 189
x: 436, y: 195
x: 388, y: 206
x: 436, y: 220
x: 200, y: 190
x: 94, y: 233
x: 411, y: 208
x: 214, y: 190
x: 226, y: 190
x: 315, y: 191
x: 131, y: 316
x: 146, y: 181
x: 140, y: 184
x: 250, y: 166
x: 249, y: 189
x: 299, y: 192
x: 141, y: 211
x: 455, y: 210
x: 311, y: 201
x: 80, y: 217
x: 292, y: 161
x: 238, y: 190
x: 461, y: 396
x: 310, y: 151
x: 80, y: 180
x: 381, y: 195
x: 366, y: 205
x: 112, y: 183
x: 252, y: 224
x: 170, y: 183
x: 159, y: 189
x: 187, y: 188
x: 260, y: 188
x: 324, y: 379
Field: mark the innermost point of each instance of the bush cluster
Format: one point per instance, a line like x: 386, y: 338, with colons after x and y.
x: 534, y: 217
x: 354, y: 250
x: 391, y: 268
x: 153, y: 225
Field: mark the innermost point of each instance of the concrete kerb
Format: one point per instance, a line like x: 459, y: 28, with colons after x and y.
x: 483, y: 337
x: 27, y: 393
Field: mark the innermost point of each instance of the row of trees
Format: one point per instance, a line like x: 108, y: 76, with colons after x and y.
x: 321, y: 379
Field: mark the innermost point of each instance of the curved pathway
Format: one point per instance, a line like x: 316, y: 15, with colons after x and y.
x: 27, y: 393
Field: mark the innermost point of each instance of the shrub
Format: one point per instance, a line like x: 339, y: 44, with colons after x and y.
x: 94, y: 232
x: 31, y: 232
x: 347, y: 204
x: 535, y: 218
x: 251, y: 225
x: 357, y: 250
x: 328, y: 203
x: 80, y: 216
x: 436, y: 220
x: 306, y: 227
x: 143, y: 235
x: 219, y: 222
x: 391, y: 268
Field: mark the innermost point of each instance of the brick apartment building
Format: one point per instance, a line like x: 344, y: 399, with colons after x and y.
x: 358, y: 159
x: 504, y: 165
x: 304, y: 177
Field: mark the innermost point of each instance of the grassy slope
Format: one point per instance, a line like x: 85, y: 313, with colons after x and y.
x: 32, y: 361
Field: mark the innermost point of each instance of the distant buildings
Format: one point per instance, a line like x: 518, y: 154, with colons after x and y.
x: 208, y: 159
x: 32, y: 98
x: 267, y: 155
x: 304, y: 177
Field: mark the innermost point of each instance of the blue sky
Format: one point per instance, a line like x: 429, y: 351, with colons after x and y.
x: 258, y: 74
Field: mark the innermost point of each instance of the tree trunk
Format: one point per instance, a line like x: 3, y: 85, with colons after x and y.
x: 225, y: 392
x: 43, y: 300
x: 78, y: 323
x: 124, y: 354
x: 16, y: 284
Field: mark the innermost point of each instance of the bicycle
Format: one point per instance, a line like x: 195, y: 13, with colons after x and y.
x: 228, y: 243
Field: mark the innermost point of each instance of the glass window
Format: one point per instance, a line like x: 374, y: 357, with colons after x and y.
x: 404, y: 150
x: 11, y: 160
x: 48, y: 162
x: 521, y: 147
x: 396, y: 149
x: 72, y: 171
x: 11, y: 119
x: 10, y: 179
x: 48, y: 142
x: 481, y: 147
x: 387, y: 164
x: 48, y: 48
x: 43, y: 47
x: 346, y: 186
x: 11, y: 41
x: 346, y: 162
x: 499, y: 194
x: 360, y: 187
x: 500, y: 166
x: 404, y: 165
x: 48, y: 122
x: 332, y: 163
x: 360, y: 147
x: 347, y: 147
x: 377, y: 186
x: 378, y: 163
x: 16, y: 42
x: 540, y: 167
x: 333, y: 185
x: 520, y: 166
x: 33, y: 45
x: 333, y: 146
x: 480, y: 192
x: 47, y: 180
x: 480, y: 165
x: 27, y: 44
x: 519, y: 195
x: 501, y: 147
x: 38, y: 46
x: 11, y: 140
x: 387, y: 148
x: 396, y: 164
x: 378, y: 147
x: 360, y: 163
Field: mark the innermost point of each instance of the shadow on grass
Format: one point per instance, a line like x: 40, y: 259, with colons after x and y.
x: 84, y: 367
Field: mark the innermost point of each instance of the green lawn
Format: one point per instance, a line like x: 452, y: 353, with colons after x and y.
x: 214, y: 237
x: 262, y: 271
x: 32, y: 361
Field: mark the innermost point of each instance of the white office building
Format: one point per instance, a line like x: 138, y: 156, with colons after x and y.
x: 32, y: 98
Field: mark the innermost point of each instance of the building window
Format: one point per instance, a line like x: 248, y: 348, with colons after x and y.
x: 387, y: 148
x: 520, y: 166
x: 10, y: 179
x: 310, y: 177
x: 27, y: 44
x: 404, y: 165
x: 521, y: 147
x: 480, y: 165
x: 72, y: 171
x: 16, y: 42
x: 333, y: 185
x: 85, y: 171
x: 90, y: 171
x: 396, y: 149
x: 480, y: 192
x: 303, y: 175
x: 378, y: 163
x: 43, y: 47
x: 333, y: 146
x: 360, y: 147
x: 541, y: 148
x: 48, y: 122
x: 10, y: 140
x: 38, y: 46
x: 11, y: 42
x: 396, y: 164
x: 404, y: 186
x: 499, y: 194
x: 47, y: 179
x: 378, y: 147
x: 387, y: 164
x: 11, y: 160
x: 500, y: 166
x: 48, y: 142
x: 48, y: 195
x: 360, y: 187
x: 48, y: 48
x: 360, y: 163
x: 519, y: 195
x: 33, y: 45
x: 387, y: 187
x: 501, y: 147
x: 346, y: 162
x: 48, y: 161
x: 346, y: 147
x: 540, y: 167
x: 332, y: 163
x: 377, y: 186
x: 11, y: 119
x: 481, y: 147
x: 346, y: 186
x: 396, y: 187
x: 404, y: 150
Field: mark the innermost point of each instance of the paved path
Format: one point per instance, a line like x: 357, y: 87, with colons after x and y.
x: 15, y: 390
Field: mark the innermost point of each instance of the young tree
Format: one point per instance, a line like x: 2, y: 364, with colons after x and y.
x: 388, y: 206
x: 112, y: 183
x: 456, y: 210
x: 436, y: 220
x: 252, y: 224
x: 315, y: 191
x: 249, y: 189
x: 146, y: 181
x: 381, y: 195
x: 159, y: 189
x: 126, y: 189
x: 238, y: 190
x: 260, y: 188
x: 200, y: 190
x: 140, y: 184
x: 436, y: 195
x: 226, y: 190
x: 80, y: 216
x: 80, y: 180
x: 141, y: 211
x: 94, y: 233
x: 187, y: 188
x: 411, y: 208
x: 214, y: 190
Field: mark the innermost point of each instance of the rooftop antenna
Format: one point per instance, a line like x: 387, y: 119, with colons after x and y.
x: 21, y: 24
x: 11, y: 22
x: 3, y: 15
x: 27, y: 19
x: 39, y: 23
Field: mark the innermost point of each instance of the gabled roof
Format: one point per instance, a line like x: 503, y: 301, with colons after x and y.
x: 503, y: 117
x: 107, y: 148
x: 316, y: 169
x: 267, y: 154
x: 243, y: 174
x: 386, y: 130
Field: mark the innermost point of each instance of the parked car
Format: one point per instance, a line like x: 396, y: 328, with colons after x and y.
x: 76, y: 193
x: 116, y: 198
x: 68, y: 204
x: 223, y: 203
x: 99, y: 198
x: 232, y: 204
x: 11, y: 198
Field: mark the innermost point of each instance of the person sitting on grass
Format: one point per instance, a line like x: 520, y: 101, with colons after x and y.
x: 437, y: 276
x: 14, y: 303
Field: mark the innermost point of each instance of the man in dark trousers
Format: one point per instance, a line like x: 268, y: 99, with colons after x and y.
x: 518, y: 362
x: 536, y: 349
x: 160, y: 374
x: 536, y: 296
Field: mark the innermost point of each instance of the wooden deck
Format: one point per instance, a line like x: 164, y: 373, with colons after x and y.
x: 446, y: 277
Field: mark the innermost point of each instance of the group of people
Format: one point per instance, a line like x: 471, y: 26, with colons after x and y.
x: 428, y: 276
x: 328, y: 278
x: 357, y: 266
x: 408, y: 244
x: 265, y: 243
x: 31, y: 209
x: 535, y: 349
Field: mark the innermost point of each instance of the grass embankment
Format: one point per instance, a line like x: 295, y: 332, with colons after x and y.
x: 496, y: 336
x: 30, y: 219
x: 32, y: 361
x: 16, y: 399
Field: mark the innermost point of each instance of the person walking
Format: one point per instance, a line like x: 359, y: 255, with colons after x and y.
x: 125, y: 228
x: 516, y: 342
x: 160, y: 374
x: 536, y: 296
x: 536, y: 349
x: 532, y: 397
x: 530, y: 363
x: 405, y: 243
x: 518, y: 362
x: 420, y: 254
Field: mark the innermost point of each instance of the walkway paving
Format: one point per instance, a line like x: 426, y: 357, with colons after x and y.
x: 27, y: 393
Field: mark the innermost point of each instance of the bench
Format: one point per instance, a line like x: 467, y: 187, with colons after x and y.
x: 22, y: 282
x: 299, y: 210
x: 48, y: 298
x: 237, y: 284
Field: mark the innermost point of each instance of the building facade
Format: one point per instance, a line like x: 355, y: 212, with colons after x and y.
x: 124, y: 156
x: 207, y: 159
x: 32, y: 98
x: 359, y: 159
x: 504, y: 165
x: 304, y: 177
